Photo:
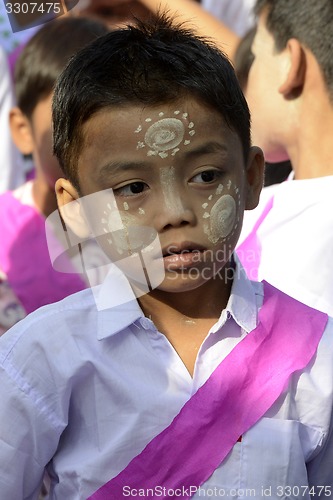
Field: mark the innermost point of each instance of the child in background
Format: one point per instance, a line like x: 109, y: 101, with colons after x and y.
x: 288, y: 239
x: 23, y: 252
x: 203, y: 20
x: 208, y: 384
x: 274, y: 172
x: 11, y: 170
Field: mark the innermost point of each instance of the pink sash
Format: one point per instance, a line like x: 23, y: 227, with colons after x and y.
x: 237, y: 394
x: 24, y: 257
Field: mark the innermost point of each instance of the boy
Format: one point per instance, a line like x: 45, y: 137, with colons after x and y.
x: 24, y: 255
x: 207, y: 385
x: 288, y: 240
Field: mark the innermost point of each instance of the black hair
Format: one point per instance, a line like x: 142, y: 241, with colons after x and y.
x: 152, y: 62
x: 309, y: 21
x: 47, y: 53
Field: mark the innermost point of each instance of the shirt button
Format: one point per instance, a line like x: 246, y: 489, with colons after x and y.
x: 146, y: 323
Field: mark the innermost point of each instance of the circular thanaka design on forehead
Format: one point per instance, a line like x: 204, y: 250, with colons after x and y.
x: 165, y: 135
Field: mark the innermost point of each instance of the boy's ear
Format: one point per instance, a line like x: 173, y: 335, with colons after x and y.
x: 71, y: 210
x: 21, y: 131
x: 295, y: 74
x: 254, y: 176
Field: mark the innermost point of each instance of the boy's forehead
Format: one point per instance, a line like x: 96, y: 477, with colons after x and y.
x: 161, y: 133
x: 132, y: 119
x: 124, y: 139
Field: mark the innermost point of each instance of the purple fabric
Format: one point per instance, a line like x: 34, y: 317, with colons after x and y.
x: 237, y: 394
x: 24, y: 257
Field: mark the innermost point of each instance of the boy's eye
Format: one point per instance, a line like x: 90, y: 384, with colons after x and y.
x: 131, y: 189
x: 206, y: 176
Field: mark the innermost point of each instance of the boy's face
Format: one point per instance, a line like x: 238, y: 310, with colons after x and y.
x: 41, y: 131
x: 34, y: 136
x: 268, y: 111
x: 177, y: 169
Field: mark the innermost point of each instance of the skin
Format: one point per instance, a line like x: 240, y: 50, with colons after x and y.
x: 114, y: 13
x: 205, y: 23
x: 288, y: 121
x: 262, y: 94
x: 34, y: 136
x: 171, y: 195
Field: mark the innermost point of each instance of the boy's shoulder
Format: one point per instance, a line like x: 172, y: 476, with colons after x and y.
x: 51, y: 320
x: 75, y: 319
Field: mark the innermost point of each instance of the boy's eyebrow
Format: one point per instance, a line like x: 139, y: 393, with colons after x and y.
x: 114, y: 167
x: 209, y: 147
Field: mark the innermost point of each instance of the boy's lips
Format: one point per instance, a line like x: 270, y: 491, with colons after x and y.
x: 182, y: 255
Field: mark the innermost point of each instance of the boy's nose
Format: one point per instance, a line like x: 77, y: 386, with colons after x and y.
x: 175, y: 220
x: 175, y: 212
x: 174, y: 207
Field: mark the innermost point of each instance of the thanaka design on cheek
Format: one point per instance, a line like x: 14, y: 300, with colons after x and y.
x: 222, y: 213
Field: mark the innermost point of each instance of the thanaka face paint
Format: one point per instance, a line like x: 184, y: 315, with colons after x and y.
x: 223, y: 215
x: 164, y: 138
x: 169, y: 189
x: 165, y: 135
x: 140, y: 177
x: 222, y: 218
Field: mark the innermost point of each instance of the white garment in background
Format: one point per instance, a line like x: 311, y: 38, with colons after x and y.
x: 296, y: 240
x: 236, y: 14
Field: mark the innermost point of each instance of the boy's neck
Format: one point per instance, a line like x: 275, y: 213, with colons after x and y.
x: 205, y: 301
x: 44, y: 196
x: 186, y: 317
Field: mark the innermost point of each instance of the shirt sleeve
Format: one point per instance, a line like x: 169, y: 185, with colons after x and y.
x: 28, y: 436
x: 320, y: 469
x: 320, y: 401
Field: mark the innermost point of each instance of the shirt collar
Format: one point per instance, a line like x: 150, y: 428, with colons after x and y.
x: 244, y: 302
x: 116, y: 319
x: 245, y: 299
x: 116, y: 304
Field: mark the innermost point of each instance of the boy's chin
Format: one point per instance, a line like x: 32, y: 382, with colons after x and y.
x: 182, y: 283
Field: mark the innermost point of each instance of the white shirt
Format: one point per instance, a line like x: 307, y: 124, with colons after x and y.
x: 85, y: 391
x: 296, y: 240
x: 236, y: 14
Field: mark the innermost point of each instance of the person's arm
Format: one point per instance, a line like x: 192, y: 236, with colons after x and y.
x: 205, y: 24
x: 21, y: 473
